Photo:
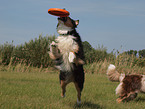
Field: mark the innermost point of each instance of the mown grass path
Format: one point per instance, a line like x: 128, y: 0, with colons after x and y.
x: 42, y: 91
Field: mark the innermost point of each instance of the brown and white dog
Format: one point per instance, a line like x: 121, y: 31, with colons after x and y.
x: 130, y: 85
x: 68, y: 55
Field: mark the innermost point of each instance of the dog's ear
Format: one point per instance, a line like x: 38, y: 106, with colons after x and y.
x: 76, y: 22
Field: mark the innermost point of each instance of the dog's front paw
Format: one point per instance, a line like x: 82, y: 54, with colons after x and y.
x: 71, y: 57
x: 53, y: 47
x: 53, y: 44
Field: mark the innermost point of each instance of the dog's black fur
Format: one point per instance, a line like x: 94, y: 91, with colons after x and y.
x: 76, y: 72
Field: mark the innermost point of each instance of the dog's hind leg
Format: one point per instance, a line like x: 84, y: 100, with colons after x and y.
x: 78, y: 93
x: 63, y: 88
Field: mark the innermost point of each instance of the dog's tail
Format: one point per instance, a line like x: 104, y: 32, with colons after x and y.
x: 113, y: 75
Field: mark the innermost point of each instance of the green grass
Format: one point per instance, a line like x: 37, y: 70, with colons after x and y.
x: 42, y: 91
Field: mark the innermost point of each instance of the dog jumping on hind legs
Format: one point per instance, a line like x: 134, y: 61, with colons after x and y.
x: 68, y: 55
x: 130, y: 85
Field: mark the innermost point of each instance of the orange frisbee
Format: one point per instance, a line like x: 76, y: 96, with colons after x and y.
x: 58, y: 12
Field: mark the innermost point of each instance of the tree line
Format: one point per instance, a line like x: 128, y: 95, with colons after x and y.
x: 35, y: 53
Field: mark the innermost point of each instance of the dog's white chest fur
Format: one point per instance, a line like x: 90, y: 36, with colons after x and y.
x: 66, y: 44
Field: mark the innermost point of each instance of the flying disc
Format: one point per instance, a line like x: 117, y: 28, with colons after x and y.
x: 58, y: 12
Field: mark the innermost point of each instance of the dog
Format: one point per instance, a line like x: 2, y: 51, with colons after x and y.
x: 68, y: 55
x: 130, y: 85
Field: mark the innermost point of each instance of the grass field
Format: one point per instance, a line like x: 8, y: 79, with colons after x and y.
x: 42, y: 91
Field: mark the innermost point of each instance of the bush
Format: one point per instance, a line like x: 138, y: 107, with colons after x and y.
x: 96, y: 55
x: 34, y: 53
x: 6, y: 52
x: 130, y: 60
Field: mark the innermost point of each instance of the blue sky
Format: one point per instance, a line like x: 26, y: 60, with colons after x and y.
x: 111, y: 23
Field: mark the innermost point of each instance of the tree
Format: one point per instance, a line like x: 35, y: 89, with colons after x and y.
x: 131, y: 52
x: 89, y: 52
x: 142, y: 53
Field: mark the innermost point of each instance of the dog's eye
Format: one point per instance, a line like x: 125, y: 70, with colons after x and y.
x: 64, y: 19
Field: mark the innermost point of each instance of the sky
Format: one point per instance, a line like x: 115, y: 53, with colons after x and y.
x: 115, y: 24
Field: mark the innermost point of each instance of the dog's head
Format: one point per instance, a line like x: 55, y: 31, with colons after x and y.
x: 66, y: 24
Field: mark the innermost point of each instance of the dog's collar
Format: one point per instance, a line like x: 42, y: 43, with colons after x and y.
x: 69, y: 33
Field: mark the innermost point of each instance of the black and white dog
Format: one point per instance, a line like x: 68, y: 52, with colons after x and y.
x: 130, y: 85
x: 67, y: 52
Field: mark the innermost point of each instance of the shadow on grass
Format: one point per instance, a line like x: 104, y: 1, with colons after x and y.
x: 87, y: 105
